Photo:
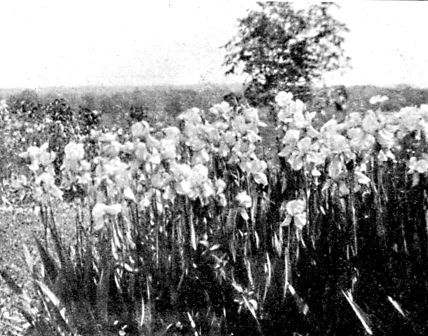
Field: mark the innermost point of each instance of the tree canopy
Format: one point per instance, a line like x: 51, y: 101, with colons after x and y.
x: 281, y: 47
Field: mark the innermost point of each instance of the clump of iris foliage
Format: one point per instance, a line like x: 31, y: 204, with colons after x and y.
x: 189, y: 230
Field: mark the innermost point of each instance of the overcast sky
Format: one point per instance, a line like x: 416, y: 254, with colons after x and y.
x: 103, y: 42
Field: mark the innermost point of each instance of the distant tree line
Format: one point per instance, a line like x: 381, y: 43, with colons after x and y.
x: 168, y: 103
x: 113, y: 106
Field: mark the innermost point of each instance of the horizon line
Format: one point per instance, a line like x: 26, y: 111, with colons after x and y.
x: 193, y: 85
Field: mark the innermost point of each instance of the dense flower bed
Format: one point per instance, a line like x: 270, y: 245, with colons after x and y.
x: 219, y: 233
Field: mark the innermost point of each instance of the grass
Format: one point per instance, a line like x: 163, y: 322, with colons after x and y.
x: 20, y: 226
x: 17, y: 228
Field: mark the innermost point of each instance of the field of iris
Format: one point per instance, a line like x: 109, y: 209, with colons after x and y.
x: 186, y: 227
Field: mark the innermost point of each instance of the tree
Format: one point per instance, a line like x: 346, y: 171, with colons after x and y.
x: 281, y: 47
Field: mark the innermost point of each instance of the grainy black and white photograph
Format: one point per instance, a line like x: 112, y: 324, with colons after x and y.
x: 213, y: 168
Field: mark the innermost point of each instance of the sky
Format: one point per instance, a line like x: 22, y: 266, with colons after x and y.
x: 47, y: 43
